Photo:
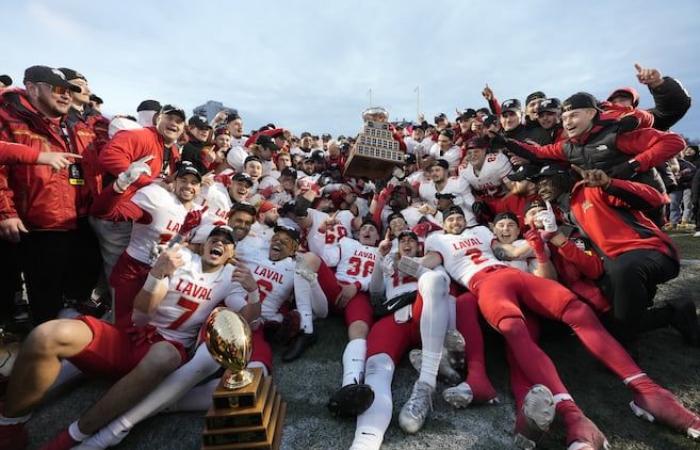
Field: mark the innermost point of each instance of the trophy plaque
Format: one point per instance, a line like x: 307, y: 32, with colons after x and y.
x: 376, y: 153
x: 247, y: 411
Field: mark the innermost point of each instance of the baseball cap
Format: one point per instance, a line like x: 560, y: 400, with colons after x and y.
x: 512, y: 104
x: 505, y: 215
x: 243, y: 177
x: 454, y: 209
x: 149, y: 105
x: 468, y: 113
x: 266, y: 206
x: 525, y: 172
x: 580, y: 100
x: 477, y: 142
x: 187, y: 168
x: 441, y: 116
x: 223, y: 230
x: 534, y: 203
x: 291, y: 232
x: 368, y: 221
x: 267, y: 142
x: 407, y: 233
x: 489, y: 120
x: 395, y: 215
x: 409, y: 158
x: 317, y: 155
x: 534, y: 96
x: 552, y: 169
x: 549, y: 104
x: 6, y: 80
x: 439, y: 162
x: 222, y: 130
x: 49, y: 75
x: 172, y: 109
x: 199, y: 122
x: 445, y: 196
x: 72, y: 74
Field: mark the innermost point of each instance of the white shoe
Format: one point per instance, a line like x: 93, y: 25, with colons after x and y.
x: 446, y: 372
x: 696, y: 234
x: 454, y: 342
x: 459, y: 396
x: 535, y: 417
x: 415, y: 411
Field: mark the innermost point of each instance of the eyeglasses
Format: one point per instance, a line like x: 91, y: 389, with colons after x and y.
x: 58, y: 90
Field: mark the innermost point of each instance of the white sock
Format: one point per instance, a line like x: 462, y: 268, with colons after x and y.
x: 172, y: 388
x: 109, y: 436
x: 373, y: 423
x: 452, y: 323
x: 75, y: 433
x: 563, y: 398
x: 433, y: 287
x: 302, y: 296
x: 319, y: 302
x: 199, y: 398
x: 14, y: 420
x: 354, y: 361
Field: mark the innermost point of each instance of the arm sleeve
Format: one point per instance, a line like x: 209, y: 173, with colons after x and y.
x: 110, y: 205
x: 671, y: 102
x: 589, y: 264
x: 650, y: 147
x: 376, y: 283
x: 236, y: 299
x: 11, y: 153
x: 628, y: 194
x: 534, y: 152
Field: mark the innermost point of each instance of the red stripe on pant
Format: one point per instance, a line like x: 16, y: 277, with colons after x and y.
x: 127, y: 279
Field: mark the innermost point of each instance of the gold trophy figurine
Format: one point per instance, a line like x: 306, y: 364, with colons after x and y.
x: 230, y: 343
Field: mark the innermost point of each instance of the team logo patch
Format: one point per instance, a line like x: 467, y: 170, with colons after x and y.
x: 601, y: 147
x: 586, y: 205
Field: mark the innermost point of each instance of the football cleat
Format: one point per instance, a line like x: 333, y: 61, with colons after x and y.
x: 583, y: 434
x: 446, y: 372
x: 351, y: 400
x: 535, y: 417
x: 459, y: 396
x: 298, y: 346
x: 454, y: 342
x: 416, y: 409
x: 660, y: 405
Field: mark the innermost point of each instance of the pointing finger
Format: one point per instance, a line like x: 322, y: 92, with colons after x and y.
x: 638, y: 67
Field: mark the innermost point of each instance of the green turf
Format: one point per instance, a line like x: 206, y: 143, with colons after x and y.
x: 307, y: 383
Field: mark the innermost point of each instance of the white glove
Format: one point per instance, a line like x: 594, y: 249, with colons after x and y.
x: 411, y: 266
x: 548, y: 219
x: 133, y: 172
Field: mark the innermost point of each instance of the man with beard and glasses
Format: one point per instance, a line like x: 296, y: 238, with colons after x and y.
x: 43, y: 212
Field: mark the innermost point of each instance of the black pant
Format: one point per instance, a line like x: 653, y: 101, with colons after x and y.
x: 59, y: 265
x: 630, y: 282
x: 10, y: 279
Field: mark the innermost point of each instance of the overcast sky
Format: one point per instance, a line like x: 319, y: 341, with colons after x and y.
x: 309, y: 65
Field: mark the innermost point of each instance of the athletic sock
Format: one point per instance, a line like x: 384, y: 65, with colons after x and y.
x: 373, y: 423
x: 319, y: 301
x: 467, y: 311
x: 75, y: 433
x: 354, y: 361
x: 429, y: 367
x: 14, y: 420
x: 302, y: 297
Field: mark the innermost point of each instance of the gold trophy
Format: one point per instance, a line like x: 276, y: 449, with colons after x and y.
x: 247, y: 411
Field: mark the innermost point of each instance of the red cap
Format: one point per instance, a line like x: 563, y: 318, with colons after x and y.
x: 266, y: 206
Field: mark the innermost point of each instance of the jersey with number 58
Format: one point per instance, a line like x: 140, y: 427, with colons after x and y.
x: 353, y: 261
x: 463, y: 255
x: 192, y: 295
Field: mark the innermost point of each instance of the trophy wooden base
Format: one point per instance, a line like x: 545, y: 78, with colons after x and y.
x: 365, y: 163
x: 250, y: 417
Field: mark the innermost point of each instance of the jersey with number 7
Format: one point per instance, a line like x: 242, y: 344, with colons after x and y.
x: 465, y: 254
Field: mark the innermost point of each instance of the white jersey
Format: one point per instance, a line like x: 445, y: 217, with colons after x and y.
x: 454, y: 185
x: 217, y: 201
x: 463, y: 255
x: 490, y: 178
x: 167, y: 213
x: 250, y: 249
x: 262, y: 231
x: 353, y: 261
x: 453, y: 155
x: 192, y: 295
x: 316, y: 240
x: 236, y: 155
x: 275, y: 281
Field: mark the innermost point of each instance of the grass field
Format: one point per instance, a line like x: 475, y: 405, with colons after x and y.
x: 307, y: 383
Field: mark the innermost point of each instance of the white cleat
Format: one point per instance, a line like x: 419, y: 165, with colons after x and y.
x: 454, y: 342
x: 459, y: 396
x: 535, y: 418
x: 446, y: 372
x: 415, y: 411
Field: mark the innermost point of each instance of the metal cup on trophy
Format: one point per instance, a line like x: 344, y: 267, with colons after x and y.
x: 247, y: 411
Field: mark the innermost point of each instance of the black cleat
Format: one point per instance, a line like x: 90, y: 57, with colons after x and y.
x: 685, y: 320
x: 351, y: 400
x: 298, y: 346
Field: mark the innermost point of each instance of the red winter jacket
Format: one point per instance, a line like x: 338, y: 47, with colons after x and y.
x: 91, y: 131
x: 616, y: 112
x: 43, y: 198
x: 613, y: 221
x: 130, y: 145
x: 17, y: 154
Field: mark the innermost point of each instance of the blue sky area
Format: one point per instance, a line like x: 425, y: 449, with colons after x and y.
x: 309, y: 65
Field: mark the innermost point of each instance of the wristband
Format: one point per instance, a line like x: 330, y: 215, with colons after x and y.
x: 253, y: 297
x: 152, y: 283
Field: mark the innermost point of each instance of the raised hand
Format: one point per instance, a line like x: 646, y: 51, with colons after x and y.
x: 650, y: 77
x: 133, y: 172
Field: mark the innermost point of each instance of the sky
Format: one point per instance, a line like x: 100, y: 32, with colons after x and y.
x: 309, y: 66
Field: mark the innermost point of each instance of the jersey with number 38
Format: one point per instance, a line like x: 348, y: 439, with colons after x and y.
x: 354, y: 261
x: 192, y: 295
x: 465, y: 254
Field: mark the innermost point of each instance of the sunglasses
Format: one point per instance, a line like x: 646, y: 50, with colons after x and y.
x: 58, y: 90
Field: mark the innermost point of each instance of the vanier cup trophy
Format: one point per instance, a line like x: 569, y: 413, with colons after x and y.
x: 247, y: 411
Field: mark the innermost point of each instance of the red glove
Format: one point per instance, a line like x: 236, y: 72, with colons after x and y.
x: 537, y: 244
x: 192, y: 220
x: 422, y: 229
x: 224, y: 178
